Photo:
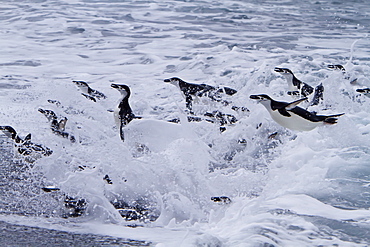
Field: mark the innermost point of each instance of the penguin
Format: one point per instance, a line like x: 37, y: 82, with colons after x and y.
x: 296, y: 87
x: 88, y: 92
x: 199, y: 90
x: 364, y: 91
x: 123, y: 113
x: 340, y: 67
x: 10, y: 132
x: 25, y: 146
x: 107, y: 179
x: 57, y: 127
x: 336, y: 67
x: 293, y: 117
x: 144, y: 135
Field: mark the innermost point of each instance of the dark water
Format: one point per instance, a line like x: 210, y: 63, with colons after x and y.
x: 18, y: 235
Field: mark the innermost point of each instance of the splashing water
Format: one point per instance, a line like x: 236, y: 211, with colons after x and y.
x: 286, y: 188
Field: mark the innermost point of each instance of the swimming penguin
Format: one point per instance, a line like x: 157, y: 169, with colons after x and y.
x: 341, y: 68
x: 123, y: 113
x: 199, y: 90
x: 25, y: 146
x: 88, y: 92
x: 364, y: 91
x: 291, y: 116
x: 336, y: 67
x: 296, y: 87
x: 57, y: 127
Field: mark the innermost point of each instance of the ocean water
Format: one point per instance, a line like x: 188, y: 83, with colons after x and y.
x: 286, y: 189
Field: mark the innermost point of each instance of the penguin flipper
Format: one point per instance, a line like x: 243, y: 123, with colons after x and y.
x: 335, y: 115
x: 88, y: 97
x: 121, y: 133
x: 294, y: 103
x: 284, y: 112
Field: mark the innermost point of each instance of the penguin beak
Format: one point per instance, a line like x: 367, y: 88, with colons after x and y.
x: 167, y: 80
x: 330, y: 66
x: 114, y: 85
x: 279, y: 70
x: 365, y: 90
x: 256, y: 97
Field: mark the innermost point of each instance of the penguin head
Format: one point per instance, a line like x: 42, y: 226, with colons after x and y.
x: 262, y: 98
x: 81, y: 84
x: 336, y: 67
x: 363, y: 90
x: 174, y: 81
x: 9, y: 131
x: 287, y: 73
x: 283, y: 71
x: 49, y: 114
x: 123, y: 89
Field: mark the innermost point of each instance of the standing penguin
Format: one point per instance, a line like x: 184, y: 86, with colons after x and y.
x: 123, y: 113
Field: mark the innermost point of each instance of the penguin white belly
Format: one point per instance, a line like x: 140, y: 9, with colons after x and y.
x: 294, y: 122
x: 155, y: 134
x: 117, y: 119
x: 291, y: 87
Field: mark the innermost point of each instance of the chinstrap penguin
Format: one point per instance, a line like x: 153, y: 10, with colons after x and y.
x: 364, y: 91
x: 88, y: 92
x: 190, y: 90
x: 144, y: 135
x: 340, y: 67
x: 123, y: 113
x: 295, y: 86
x: 25, y: 146
x: 291, y: 116
x: 57, y: 127
x: 336, y: 67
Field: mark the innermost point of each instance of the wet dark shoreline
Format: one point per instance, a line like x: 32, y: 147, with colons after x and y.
x: 19, y: 235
